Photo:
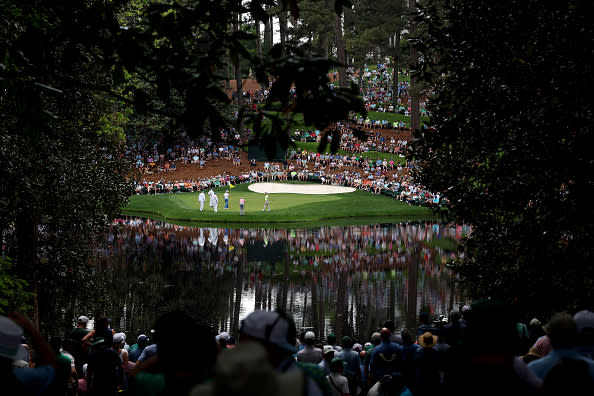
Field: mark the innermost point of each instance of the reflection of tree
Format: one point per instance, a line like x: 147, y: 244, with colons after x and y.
x: 342, y: 293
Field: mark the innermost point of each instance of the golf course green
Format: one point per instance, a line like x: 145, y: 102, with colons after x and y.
x: 358, y: 207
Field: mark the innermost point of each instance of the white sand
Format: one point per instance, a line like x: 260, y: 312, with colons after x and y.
x: 313, y: 189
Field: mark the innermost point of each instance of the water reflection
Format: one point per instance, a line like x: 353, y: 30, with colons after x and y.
x: 344, y: 280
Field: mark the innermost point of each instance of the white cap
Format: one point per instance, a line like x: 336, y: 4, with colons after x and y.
x: 271, y: 327
x: 309, y: 336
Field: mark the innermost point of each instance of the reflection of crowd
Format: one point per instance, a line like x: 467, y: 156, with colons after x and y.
x: 327, y: 249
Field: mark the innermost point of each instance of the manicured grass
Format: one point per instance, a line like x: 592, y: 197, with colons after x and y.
x: 359, y: 207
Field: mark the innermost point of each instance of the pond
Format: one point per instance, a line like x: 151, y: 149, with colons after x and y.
x: 342, y: 280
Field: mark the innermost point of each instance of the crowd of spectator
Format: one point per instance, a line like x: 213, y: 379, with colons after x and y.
x: 478, y: 349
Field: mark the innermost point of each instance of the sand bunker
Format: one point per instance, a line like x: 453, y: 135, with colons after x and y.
x: 313, y: 189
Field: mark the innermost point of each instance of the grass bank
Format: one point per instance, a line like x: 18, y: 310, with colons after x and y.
x: 355, y: 208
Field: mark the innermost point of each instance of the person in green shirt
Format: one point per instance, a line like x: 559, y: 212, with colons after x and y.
x: 81, y: 348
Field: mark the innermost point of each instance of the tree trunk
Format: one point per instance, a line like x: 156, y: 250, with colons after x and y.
x: 415, y: 119
x: 258, y: 39
x: 396, y: 61
x: 283, y: 27
x: 238, y: 77
x: 340, y: 54
x: 259, y: 47
x: 268, y: 42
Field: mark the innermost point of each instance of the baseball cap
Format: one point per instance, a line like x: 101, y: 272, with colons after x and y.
x: 10, y: 337
x: 82, y: 319
x: 271, y: 327
x: 309, y: 335
x: 223, y: 336
x: 119, y: 337
x: 327, y: 349
x: 142, y: 337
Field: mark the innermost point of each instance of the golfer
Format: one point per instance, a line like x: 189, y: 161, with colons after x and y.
x: 242, y: 206
x: 266, y: 203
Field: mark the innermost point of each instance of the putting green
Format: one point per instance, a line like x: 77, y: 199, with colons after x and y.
x: 287, y: 209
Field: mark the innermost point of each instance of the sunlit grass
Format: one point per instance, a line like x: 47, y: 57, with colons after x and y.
x: 358, y: 207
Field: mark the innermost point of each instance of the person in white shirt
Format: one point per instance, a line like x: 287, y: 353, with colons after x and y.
x: 201, y: 199
x: 338, y: 382
x: 215, y: 202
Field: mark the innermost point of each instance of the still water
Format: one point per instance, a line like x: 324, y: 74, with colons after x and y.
x: 342, y: 280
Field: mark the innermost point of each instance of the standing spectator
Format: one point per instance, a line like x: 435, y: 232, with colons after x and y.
x: 428, y: 378
x: 386, y: 358
x: 327, y: 356
x: 105, y: 370
x: 585, y: 327
x: 309, y: 354
x: 340, y: 383
x: 81, y: 348
x: 562, y: 331
x: 352, y: 369
x: 24, y: 380
x: 142, y: 341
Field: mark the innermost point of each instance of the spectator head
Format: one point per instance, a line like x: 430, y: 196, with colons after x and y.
x: 275, y: 330
x: 82, y: 321
x: 347, y: 342
x: 119, y: 339
x: 376, y: 338
x: 562, y: 331
x: 331, y: 339
x: 246, y: 370
x: 142, y: 341
x: 309, y: 338
x: 337, y: 365
x: 328, y: 352
x: 584, y: 321
x: 406, y: 337
x: 223, y: 338
x: 454, y: 316
x: 466, y: 311
x: 385, y: 334
x: 357, y: 347
x: 427, y: 340
x: 10, y: 338
x: 424, y: 318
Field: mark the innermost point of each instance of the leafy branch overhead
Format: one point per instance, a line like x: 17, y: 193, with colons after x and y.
x: 179, y: 49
